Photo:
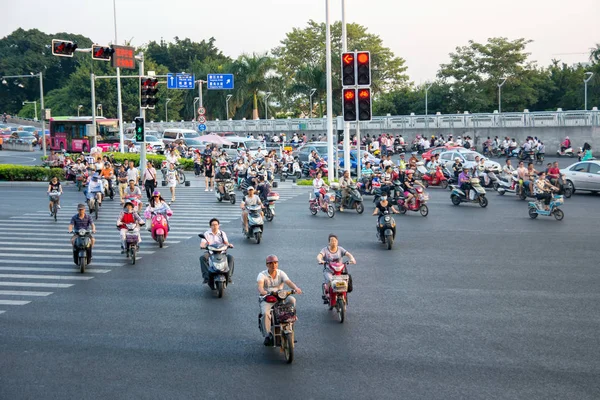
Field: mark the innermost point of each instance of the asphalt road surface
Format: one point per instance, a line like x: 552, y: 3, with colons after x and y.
x: 471, y: 303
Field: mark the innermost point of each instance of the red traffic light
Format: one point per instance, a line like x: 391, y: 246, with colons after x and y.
x: 347, y: 58
x: 362, y: 58
x: 63, y: 48
x: 349, y: 94
x: 364, y: 93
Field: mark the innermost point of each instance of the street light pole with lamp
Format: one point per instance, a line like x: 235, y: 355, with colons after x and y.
x: 500, y: 94
x: 312, y: 92
x: 38, y: 75
x: 229, y: 96
x: 167, y: 110
x: 585, y: 82
x: 79, y: 107
x: 267, y: 105
x: 34, y: 108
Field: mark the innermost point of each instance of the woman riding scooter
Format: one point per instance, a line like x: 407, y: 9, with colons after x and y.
x: 543, y: 190
x: 128, y: 216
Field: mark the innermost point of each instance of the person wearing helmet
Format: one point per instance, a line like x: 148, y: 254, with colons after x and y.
x: 384, y: 205
x: 464, y: 180
x: 332, y: 253
x: 268, y: 281
x: 215, y: 237
x: 128, y: 216
x: 94, y: 191
x: 249, y: 200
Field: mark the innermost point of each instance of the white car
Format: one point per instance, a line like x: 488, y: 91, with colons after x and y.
x: 156, y: 143
x: 468, y: 159
x: 584, y: 175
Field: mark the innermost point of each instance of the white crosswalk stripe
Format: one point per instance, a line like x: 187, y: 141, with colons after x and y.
x: 35, y: 253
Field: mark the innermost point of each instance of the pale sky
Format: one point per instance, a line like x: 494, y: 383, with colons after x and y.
x: 422, y: 32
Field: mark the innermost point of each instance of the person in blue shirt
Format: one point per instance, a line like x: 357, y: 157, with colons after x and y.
x: 81, y: 220
x: 367, y: 174
x: 95, y: 186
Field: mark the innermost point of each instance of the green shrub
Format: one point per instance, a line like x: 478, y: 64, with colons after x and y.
x: 155, y: 159
x: 308, y: 182
x: 9, y: 172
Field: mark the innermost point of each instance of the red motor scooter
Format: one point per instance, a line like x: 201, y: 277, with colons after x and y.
x: 435, y: 179
x: 159, y: 228
x: 336, y: 291
x: 420, y: 198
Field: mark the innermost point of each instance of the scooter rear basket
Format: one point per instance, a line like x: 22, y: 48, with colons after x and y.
x: 284, y: 313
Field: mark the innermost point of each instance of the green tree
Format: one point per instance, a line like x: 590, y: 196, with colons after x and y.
x: 475, y: 70
x: 25, y: 52
x: 306, y: 46
x: 254, y: 75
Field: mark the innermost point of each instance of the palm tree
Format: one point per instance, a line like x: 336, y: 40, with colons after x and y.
x: 252, y: 77
x: 310, y: 77
x: 595, y: 54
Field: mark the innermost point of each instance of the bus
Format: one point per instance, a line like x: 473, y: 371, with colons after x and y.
x: 69, y: 133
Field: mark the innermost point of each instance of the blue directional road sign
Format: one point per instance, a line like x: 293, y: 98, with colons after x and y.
x: 180, y: 81
x: 220, y: 81
x: 201, y: 127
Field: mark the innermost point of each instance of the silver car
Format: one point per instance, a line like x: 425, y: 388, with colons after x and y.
x: 467, y: 158
x: 584, y: 175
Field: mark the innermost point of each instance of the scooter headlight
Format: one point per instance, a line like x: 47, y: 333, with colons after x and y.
x: 387, y: 218
x: 81, y: 232
x: 282, y: 294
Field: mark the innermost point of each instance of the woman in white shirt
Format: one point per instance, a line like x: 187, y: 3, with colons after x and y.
x: 318, y: 183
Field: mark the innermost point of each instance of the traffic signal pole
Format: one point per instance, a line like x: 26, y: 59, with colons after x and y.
x: 330, y: 155
x: 347, y: 163
x: 140, y: 58
x: 94, y: 129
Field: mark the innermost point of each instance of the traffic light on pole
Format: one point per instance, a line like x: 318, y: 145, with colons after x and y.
x: 63, y: 48
x: 348, y: 69
x: 139, y: 129
x: 364, y: 104
x: 148, y: 92
x: 103, y: 53
x: 349, y: 100
x: 363, y: 67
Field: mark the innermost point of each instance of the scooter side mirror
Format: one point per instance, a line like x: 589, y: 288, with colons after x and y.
x: 201, y: 236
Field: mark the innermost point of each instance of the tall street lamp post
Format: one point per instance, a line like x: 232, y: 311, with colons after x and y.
x: 229, y: 96
x: 167, y: 110
x: 267, y: 105
x: 585, y: 81
x: 312, y: 93
x: 500, y: 95
x: 79, y: 107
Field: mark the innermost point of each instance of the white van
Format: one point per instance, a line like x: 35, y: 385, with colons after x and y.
x: 249, y: 145
x: 172, y: 134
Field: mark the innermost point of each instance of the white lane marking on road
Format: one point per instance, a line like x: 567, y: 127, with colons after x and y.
x: 14, y: 302
x: 64, y: 237
x: 96, y: 251
x: 36, y: 262
x: 37, y: 284
x: 23, y: 293
x: 68, y: 257
x: 39, y: 269
x: 52, y: 277
x: 2, y: 311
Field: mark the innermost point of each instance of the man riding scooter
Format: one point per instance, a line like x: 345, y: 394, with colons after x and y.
x: 222, y: 176
x: 345, y: 184
x: 215, y: 237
